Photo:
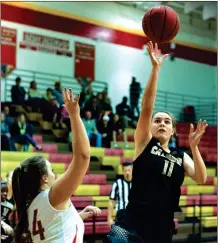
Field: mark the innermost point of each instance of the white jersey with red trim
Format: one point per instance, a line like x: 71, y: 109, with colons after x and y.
x: 49, y: 225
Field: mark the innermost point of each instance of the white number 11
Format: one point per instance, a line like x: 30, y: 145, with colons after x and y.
x: 170, y: 168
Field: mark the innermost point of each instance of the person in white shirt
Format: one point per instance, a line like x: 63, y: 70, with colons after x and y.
x: 45, y: 211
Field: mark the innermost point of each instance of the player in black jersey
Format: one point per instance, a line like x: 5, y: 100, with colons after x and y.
x: 6, y: 209
x: 158, y: 172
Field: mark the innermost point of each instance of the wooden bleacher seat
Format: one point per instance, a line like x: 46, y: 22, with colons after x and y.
x: 210, y: 181
x: 100, y: 201
x: 99, y: 179
x: 210, y: 221
x: 87, y: 190
x: 113, y: 152
x: 195, y: 211
x: 197, y: 189
x: 113, y: 161
x: 189, y: 200
x: 19, y: 108
x: 34, y: 116
x: 121, y: 145
x: 20, y: 156
x: 98, y: 152
x: 45, y: 125
x: 60, y: 133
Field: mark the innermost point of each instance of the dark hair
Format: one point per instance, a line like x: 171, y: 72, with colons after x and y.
x: 18, y: 79
x: 127, y: 163
x: 31, y: 83
x: 26, y: 186
x: 57, y: 85
x: 172, y: 117
x: 125, y: 98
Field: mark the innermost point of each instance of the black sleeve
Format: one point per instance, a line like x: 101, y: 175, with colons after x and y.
x: 14, y: 130
x: 13, y: 94
x: 23, y: 91
x: 29, y: 129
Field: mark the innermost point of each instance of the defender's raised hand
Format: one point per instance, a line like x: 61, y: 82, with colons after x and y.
x: 70, y: 103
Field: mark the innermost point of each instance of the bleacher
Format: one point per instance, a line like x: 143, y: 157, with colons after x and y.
x: 198, y: 208
x: 197, y: 201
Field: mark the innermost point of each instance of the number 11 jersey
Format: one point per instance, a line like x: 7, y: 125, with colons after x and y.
x: 154, y: 196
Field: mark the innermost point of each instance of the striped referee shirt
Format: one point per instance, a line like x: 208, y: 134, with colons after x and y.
x: 120, y: 193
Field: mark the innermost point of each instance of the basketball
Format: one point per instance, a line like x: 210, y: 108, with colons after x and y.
x: 160, y: 24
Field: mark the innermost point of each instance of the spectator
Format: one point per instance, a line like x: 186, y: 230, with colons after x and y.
x: 119, y: 193
x: 135, y: 90
x: 35, y: 97
x: 33, y: 91
x: 5, y: 134
x: 92, y: 105
x: 18, y: 93
x: 57, y: 117
x: 90, y: 126
x: 65, y: 118
x: 85, y: 83
x: 10, y: 198
x: 58, y: 93
x: 6, y: 210
x: 48, y: 95
x: 89, y: 94
x: 106, y: 131
x: 118, y: 131
x: 8, y: 119
x: 102, y: 105
x: 6, y: 206
x: 22, y: 132
x: 52, y: 112
x: 124, y: 112
x: 106, y: 98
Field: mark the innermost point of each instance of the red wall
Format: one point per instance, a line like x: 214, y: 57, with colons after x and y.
x: 79, y: 28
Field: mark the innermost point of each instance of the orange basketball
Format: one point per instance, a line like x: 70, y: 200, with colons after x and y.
x: 161, y: 24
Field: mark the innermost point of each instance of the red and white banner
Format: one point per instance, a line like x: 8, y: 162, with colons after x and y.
x: 84, y: 60
x: 8, y: 50
x: 48, y: 44
x: 8, y: 36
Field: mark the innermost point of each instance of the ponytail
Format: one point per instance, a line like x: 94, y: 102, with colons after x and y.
x: 26, y: 186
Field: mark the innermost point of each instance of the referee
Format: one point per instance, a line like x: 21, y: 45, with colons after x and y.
x: 120, y: 192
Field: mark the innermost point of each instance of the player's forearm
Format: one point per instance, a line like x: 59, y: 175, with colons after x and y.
x: 80, y: 141
x: 149, y: 95
x: 200, y: 168
x: 81, y: 214
x: 110, y: 210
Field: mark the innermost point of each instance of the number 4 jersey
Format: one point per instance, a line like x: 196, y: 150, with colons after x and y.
x: 154, y: 196
x: 46, y: 224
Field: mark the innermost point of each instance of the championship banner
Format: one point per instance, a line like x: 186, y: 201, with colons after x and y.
x: 8, y: 50
x: 47, y: 44
x: 84, y: 60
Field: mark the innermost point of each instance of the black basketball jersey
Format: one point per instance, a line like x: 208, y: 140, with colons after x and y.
x: 155, y: 192
x: 6, y: 209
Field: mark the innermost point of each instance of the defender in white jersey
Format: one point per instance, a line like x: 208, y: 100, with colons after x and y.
x: 45, y: 212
